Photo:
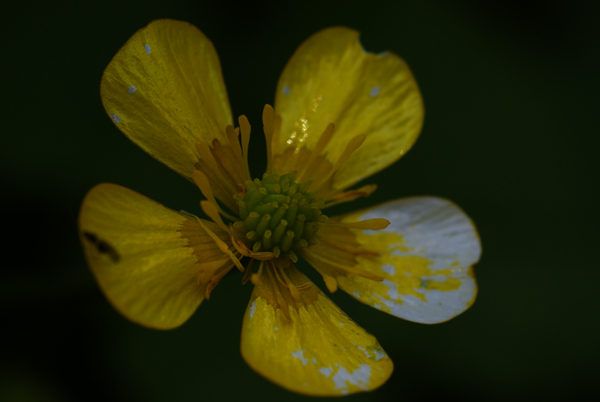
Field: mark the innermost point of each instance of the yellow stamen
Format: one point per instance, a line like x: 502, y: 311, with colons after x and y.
x: 213, y: 213
x: 369, y: 224
x: 234, y: 144
x: 348, y: 248
x: 202, y: 182
x: 352, y: 146
x: 330, y: 281
x: 221, y: 244
x: 290, y: 285
x: 309, y: 255
x: 245, y: 251
x: 240, y: 247
x: 351, y: 195
x: 225, y: 157
x: 245, y: 130
x: 255, y: 278
x: 222, y: 177
x: 277, y: 271
x: 262, y: 255
x: 323, y: 141
x: 304, y: 286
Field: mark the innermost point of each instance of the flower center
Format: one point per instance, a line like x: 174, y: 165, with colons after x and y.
x: 279, y: 215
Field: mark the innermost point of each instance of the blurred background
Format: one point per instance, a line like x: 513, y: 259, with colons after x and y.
x: 511, y: 96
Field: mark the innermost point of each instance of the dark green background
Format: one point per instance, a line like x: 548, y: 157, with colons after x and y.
x: 511, y: 94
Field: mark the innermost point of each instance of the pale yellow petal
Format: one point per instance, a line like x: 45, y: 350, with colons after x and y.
x: 331, y: 79
x: 153, y: 264
x: 425, y: 259
x: 318, y: 350
x: 164, y: 90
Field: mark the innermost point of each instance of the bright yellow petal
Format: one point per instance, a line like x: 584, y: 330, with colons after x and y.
x: 318, y: 350
x: 153, y: 264
x: 331, y: 79
x: 426, y: 258
x: 164, y: 90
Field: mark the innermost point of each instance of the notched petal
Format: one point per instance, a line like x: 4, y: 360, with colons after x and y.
x: 360, y: 92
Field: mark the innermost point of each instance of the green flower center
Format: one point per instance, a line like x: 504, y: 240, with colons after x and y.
x: 279, y: 215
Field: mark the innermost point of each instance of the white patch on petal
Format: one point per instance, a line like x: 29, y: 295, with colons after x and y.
x: 326, y: 371
x: 314, y: 360
x: 356, y: 294
x: 131, y: 89
x: 252, y: 308
x: 432, y: 227
x: 379, y: 354
x: 395, y: 308
x: 147, y: 47
x: 299, y: 354
x: 393, y: 289
x: 286, y: 89
x: 361, y: 377
x: 389, y: 268
x: 364, y: 351
x: 342, y: 324
x: 115, y: 118
x: 375, y: 91
x: 275, y: 329
x: 377, y: 306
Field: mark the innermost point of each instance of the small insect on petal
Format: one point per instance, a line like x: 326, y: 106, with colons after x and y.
x: 102, y: 246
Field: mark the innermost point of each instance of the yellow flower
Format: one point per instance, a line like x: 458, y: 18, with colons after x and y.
x: 341, y: 114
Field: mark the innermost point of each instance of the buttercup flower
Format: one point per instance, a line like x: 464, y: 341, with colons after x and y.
x: 341, y: 114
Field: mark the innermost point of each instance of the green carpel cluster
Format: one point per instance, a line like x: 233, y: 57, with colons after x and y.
x: 279, y: 215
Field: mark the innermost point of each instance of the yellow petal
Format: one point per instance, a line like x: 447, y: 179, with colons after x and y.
x: 318, y: 350
x: 331, y: 79
x: 426, y: 258
x: 152, y: 263
x: 164, y: 90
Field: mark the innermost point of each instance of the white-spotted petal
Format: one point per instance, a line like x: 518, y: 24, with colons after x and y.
x: 307, y: 344
x: 425, y: 259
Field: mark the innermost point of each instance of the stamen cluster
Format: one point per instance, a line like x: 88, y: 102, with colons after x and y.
x: 279, y: 215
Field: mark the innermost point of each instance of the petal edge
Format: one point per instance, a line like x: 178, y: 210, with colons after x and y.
x: 318, y: 351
